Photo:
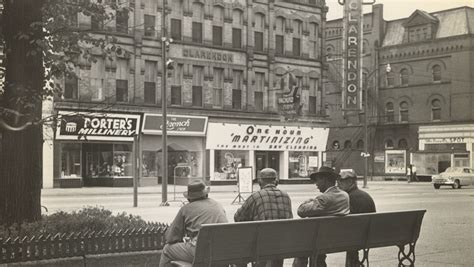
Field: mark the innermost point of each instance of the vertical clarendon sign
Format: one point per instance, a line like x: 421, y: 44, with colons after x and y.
x: 352, y: 47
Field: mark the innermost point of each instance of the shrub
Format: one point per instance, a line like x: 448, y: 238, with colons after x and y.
x: 86, y: 219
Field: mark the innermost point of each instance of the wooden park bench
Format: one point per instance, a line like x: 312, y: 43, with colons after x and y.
x: 239, y: 243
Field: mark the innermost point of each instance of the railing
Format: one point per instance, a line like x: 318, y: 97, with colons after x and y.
x: 67, y: 245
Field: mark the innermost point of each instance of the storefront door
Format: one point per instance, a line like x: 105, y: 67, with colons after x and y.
x: 267, y: 159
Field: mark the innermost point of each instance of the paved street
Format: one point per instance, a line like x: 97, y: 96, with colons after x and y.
x: 446, y: 239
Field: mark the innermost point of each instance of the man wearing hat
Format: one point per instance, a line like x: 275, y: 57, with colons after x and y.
x: 332, y: 201
x: 270, y: 203
x: 182, y: 234
x: 360, y: 202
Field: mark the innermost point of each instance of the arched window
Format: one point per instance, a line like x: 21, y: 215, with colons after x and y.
x: 335, y: 145
x: 404, y: 75
x: 389, y: 112
x: 402, y: 143
x: 436, y: 70
x: 436, y: 110
x: 389, y: 144
x: 237, y: 17
x: 329, y: 52
x: 360, y: 144
x: 404, y: 111
x: 347, y: 144
x: 297, y: 27
x: 390, y: 79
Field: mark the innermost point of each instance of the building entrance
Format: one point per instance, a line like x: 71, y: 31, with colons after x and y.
x: 267, y: 159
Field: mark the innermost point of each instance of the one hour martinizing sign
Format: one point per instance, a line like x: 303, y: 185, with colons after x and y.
x: 352, y: 46
x: 228, y: 136
x: 97, y: 126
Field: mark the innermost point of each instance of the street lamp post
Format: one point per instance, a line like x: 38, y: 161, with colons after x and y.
x: 164, y: 146
x: 366, y: 153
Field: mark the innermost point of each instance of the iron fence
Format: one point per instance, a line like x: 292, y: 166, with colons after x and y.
x: 65, y: 245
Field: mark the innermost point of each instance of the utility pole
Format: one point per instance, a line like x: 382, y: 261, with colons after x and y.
x: 164, y: 146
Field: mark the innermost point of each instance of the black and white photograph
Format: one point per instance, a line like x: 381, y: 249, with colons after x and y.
x: 275, y: 133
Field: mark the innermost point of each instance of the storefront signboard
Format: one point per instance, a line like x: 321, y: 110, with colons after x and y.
x: 395, y: 161
x: 176, y: 125
x: 228, y: 136
x: 447, y: 140
x: 97, y: 126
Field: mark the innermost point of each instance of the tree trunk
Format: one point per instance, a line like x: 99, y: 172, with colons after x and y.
x: 21, y: 155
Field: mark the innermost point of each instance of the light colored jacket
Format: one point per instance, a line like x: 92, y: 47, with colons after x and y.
x: 333, y: 202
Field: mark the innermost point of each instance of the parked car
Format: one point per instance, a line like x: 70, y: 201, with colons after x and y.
x: 454, y: 177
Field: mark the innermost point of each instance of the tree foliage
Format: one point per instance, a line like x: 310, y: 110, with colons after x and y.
x: 42, y: 43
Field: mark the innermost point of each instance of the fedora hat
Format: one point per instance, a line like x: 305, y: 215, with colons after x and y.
x: 196, y: 189
x: 324, y: 171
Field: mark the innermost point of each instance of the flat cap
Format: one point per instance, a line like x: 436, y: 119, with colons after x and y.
x: 348, y: 174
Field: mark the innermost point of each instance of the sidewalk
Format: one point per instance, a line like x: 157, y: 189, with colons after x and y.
x: 84, y: 191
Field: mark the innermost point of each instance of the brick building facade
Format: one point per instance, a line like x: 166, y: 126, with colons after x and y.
x: 232, y: 62
x: 429, y: 84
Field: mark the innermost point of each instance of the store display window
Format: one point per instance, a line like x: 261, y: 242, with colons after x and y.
x: 302, y: 164
x: 227, y: 163
x: 71, y: 161
x: 108, y: 160
x: 181, y: 162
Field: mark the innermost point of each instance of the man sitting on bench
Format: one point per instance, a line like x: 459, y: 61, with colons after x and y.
x: 182, y: 234
x: 270, y: 203
x: 332, y: 201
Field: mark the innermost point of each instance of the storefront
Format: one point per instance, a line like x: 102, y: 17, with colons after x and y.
x: 294, y: 152
x: 443, y: 146
x: 94, y: 149
x: 186, y: 149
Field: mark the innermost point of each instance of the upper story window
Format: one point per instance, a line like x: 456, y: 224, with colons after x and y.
x: 149, y: 25
x: 329, y: 52
x: 259, y: 89
x: 297, y: 32
x: 198, y: 81
x: 436, y: 70
x: 198, y: 17
x: 150, y: 82
x: 347, y: 144
x: 402, y: 143
x: 314, y: 33
x: 218, y: 85
x: 176, y: 7
x: 404, y: 77
x: 389, y: 112
x: 97, y: 75
x: 258, y: 31
x: 176, y: 29
x: 313, y: 94
x: 71, y: 85
x: 280, y: 36
x: 436, y: 110
x: 237, y: 28
x: 389, y: 144
x: 217, y: 25
x: 121, y: 88
x: 404, y: 111
x: 390, y: 79
x: 121, y: 21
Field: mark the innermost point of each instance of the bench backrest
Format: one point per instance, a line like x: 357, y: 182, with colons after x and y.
x: 220, y: 244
